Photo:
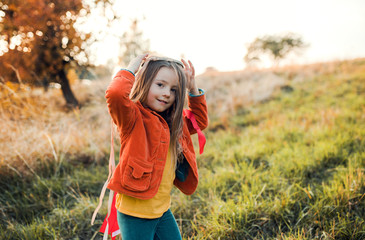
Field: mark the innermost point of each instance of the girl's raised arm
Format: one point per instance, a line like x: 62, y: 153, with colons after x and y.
x: 121, y: 108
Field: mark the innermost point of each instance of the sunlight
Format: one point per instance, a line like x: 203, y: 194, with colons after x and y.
x: 218, y: 37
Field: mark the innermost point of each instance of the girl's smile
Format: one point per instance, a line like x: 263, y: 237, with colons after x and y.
x: 162, y: 93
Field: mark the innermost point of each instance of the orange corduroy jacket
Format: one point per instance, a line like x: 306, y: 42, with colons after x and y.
x: 145, y: 137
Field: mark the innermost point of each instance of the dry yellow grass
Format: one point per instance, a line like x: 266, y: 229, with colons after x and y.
x: 228, y: 92
x: 36, y: 127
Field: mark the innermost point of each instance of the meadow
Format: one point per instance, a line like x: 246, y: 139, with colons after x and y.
x: 285, y: 158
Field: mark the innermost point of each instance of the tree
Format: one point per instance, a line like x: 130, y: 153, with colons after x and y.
x: 132, y: 44
x: 41, y: 41
x: 275, y: 46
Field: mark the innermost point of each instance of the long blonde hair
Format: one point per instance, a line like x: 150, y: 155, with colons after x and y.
x: 173, y: 115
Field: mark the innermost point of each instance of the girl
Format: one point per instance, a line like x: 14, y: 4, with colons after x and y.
x: 156, y: 148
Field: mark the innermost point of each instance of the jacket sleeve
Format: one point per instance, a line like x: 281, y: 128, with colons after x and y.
x: 198, y: 106
x: 121, y: 108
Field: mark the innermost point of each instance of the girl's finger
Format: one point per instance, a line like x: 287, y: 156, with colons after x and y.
x: 143, y: 63
x: 192, y: 68
x: 143, y: 58
x: 145, y: 55
x: 185, y: 64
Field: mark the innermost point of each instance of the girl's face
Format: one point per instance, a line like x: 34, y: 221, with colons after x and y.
x: 162, y: 93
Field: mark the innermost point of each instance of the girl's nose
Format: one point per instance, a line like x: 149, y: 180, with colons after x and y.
x: 166, y: 92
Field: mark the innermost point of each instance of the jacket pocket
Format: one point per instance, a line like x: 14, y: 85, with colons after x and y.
x: 138, y: 174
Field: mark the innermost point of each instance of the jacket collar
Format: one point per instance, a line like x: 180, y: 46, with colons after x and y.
x: 139, y: 104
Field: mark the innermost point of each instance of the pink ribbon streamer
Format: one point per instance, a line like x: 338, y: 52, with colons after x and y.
x: 201, y: 137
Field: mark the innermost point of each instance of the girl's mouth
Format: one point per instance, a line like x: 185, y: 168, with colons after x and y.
x: 162, y: 101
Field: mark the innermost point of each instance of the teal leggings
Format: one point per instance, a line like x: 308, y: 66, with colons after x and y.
x: 163, y: 228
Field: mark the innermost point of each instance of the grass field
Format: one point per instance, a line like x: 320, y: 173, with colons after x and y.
x: 285, y: 158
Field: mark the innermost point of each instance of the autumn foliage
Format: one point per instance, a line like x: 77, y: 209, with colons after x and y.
x: 41, y: 41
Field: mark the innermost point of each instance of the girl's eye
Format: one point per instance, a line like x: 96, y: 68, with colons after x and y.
x: 160, y: 84
x: 173, y: 90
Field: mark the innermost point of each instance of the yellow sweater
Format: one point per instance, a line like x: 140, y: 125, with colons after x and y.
x: 156, y: 206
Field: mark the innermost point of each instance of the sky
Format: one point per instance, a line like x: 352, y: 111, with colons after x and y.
x: 216, y: 33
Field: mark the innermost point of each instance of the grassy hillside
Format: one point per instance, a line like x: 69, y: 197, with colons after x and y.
x: 285, y: 159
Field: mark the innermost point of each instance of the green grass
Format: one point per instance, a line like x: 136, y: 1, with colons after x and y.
x: 53, y: 206
x: 291, y: 167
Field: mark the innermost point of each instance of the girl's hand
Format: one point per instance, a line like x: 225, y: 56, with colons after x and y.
x: 134, y: 65
x: 190, y: 77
